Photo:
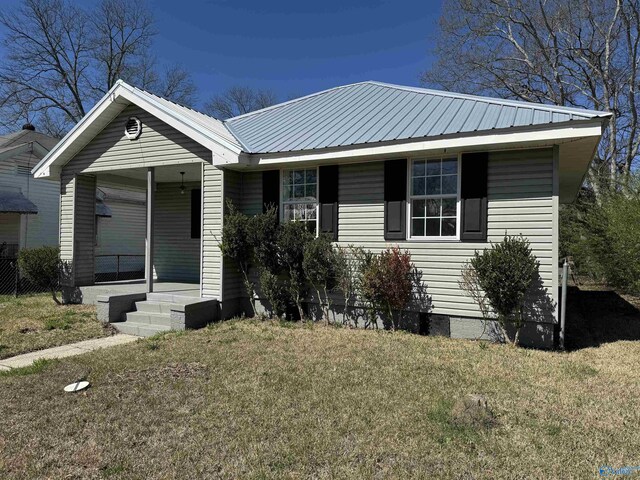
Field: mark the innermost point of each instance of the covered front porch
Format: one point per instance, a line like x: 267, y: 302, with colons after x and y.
x: 172, y: 235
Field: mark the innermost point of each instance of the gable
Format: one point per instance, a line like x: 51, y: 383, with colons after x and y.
x: 159, y: 144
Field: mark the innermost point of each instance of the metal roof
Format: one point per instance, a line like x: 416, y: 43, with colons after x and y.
x: 370, y: 112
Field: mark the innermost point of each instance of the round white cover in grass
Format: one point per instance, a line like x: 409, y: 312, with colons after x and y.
x: 76, y: 387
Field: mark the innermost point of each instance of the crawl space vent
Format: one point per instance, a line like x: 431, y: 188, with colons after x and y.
x: 133, y: 128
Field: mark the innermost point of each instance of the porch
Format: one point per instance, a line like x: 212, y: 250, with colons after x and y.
x: 90, y: 293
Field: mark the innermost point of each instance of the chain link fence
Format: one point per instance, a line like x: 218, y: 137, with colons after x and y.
x: 12, y: 281
x: 113, y: 268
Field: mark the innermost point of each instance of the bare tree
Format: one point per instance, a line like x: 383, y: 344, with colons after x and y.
x: 60, y: 58
x: 239, y: 100
x: 581, y: 53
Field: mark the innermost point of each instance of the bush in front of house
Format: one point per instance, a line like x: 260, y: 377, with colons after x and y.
x: 236, y: 245
x: 293, y: 237
x: 504, y: 273
x: 387, y: 282
x: 287, y: 258
x: 42, y: 266
x: 320, y: 268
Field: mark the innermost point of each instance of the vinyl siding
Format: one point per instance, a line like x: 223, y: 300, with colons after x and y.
x: 42, y: 228
x: 67, y: 193
x: 84, y: 230
x: 158, y: 145
x: 232, y: 285
x: 520, y: 201
x: 176, y: 255
x: 212, y: 230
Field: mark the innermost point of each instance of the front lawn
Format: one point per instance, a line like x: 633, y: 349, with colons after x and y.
x: 35, y: 322
x: 245, y: 399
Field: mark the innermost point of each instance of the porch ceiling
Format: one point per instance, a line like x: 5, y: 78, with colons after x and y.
x: 168, y: 174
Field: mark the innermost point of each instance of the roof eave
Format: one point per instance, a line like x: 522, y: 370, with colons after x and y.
x: 51, y: 164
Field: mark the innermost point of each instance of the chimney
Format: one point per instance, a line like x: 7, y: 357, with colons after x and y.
x: 29, y: 126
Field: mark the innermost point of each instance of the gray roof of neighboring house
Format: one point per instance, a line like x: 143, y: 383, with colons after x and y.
x: 370, y: 112
x: 27, y: 136
x: 12, y: 201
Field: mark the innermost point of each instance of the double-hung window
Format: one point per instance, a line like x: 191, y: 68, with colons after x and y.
x: 300, y: 196
x: 434, y: 198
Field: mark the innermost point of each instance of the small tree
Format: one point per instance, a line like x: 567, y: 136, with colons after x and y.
x: 366, y: 271
x: 319, y: 266
x: 42, y: 266
x: 293, y: 237
x: 237, y: 246
x: 505, y: 273
x: 345, y: 272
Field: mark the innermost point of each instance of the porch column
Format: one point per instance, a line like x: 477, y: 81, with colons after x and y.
x: 148, y: 269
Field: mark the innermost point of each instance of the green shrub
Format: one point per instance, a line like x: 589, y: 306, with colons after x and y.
x: 346, y: 268
x: 236, y: 245
x: 293, y: 237
x: 263, y: 233
x: 319, y: 264
x: 387, y: 283
x: 504, y: 273
x: 276, y: 291
x: 42, y: 266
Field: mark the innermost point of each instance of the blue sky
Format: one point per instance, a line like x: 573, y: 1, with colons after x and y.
x: 294, y: 47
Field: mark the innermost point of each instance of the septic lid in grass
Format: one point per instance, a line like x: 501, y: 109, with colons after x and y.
x: 76, y: 386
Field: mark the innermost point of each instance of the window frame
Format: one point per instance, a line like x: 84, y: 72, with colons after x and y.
x: 281, y: 191
x: 410, y: 197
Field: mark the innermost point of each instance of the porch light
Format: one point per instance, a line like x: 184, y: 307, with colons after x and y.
x: 182, y: 184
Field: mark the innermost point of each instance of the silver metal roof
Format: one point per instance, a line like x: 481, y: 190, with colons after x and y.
x: 371, y: 112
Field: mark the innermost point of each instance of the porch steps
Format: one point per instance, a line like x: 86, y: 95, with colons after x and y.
x: 161, y: 312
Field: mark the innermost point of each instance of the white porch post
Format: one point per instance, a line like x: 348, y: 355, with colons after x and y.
x: 148, y: 270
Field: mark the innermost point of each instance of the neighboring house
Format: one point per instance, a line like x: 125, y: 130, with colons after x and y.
x: 30, y: 208
x: 437, y: 173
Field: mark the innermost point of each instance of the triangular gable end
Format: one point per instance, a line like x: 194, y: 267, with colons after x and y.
x: 111, y: 106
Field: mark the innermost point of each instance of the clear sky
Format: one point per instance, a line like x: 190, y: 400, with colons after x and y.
x: 293, y: 47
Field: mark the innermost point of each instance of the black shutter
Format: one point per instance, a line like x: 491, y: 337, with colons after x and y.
x: 271, y: 190
x: 196, y: 210
x: 473, y: 195
x: 328, y: 200
x: 395, y: 199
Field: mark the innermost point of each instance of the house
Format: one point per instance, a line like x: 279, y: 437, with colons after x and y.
x: 29, y: 211
x: 437, y: 173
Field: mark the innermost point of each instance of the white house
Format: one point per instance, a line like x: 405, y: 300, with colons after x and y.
x: 437, y: 173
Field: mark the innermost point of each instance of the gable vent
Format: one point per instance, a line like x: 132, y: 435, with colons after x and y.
x: 22, y: 170
x: 133, y: 128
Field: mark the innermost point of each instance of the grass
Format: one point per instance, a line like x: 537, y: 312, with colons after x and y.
x: 35, y: 322
x: 245, y: 399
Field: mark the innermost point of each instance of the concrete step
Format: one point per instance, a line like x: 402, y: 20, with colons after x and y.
x: 150, y: 306
x: 140, y: 329
x: 148, y: 318
x: 171, y: 298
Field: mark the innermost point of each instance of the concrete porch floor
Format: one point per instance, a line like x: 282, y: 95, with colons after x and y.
x: 91, y: 292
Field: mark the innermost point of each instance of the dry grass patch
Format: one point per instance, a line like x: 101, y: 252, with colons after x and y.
x: 35, y: 322
x: 257, y: 400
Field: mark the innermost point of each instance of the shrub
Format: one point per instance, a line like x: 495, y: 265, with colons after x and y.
x: 263, y: 232
x: 345, y: 264
x: 293, y: 237
x: 42, y: 266
x: 319, y: 264
x: 505, y: 272
x: 275, y: 291
x: 236, y: 245
x: 387, y: 282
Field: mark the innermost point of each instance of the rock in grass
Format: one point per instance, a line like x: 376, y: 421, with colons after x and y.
x: 472, y: 411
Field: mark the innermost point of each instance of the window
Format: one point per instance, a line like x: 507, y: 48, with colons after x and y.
x: 299, y: 196
x: 434, y: 199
